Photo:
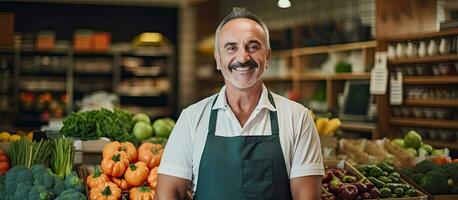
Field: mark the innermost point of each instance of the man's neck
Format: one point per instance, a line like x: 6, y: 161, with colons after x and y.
x: 243, y: 102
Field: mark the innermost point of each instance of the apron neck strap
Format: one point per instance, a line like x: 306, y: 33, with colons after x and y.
x: 273, y: 117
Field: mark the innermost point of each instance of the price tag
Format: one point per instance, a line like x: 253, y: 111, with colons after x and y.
x: 379, y: 74
x: 396, y: 89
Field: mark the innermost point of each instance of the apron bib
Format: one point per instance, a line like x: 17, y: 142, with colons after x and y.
x: 243, y: 167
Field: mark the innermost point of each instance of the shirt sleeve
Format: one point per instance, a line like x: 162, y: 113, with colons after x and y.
x: 307, y: 156
x: 177, y: 157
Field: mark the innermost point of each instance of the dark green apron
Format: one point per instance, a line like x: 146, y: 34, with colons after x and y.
x: 242, y: 167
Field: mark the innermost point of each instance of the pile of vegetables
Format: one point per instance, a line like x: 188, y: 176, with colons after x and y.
x: 436, y: 179
x: 4, y: 163
x: 387, y: 180
x: 126, y: 168
x: 28, y: 153
x: 39, y: 183
x: 117, y: 125
x: 341, y: 184
x: 6, y: 136
x: 94, y: 124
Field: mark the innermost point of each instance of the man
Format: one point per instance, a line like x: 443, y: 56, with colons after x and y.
x: 245, y: 142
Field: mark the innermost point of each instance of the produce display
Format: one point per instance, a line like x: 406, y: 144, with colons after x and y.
x: 387, y: 180
x: 125, y: 169
x: 413, y: 144
x: 437, y: 179
x: 363, y: 151
x: 4, y: 163
x: 31, y: 178
x: 326, y: 126
x: 117, y: 125
x: 339, y: 183
x: 6, y: 136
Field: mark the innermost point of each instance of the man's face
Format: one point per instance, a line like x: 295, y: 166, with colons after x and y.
x: 243, y: 53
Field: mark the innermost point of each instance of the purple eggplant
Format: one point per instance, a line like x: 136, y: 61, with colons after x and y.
x: 348, y: 192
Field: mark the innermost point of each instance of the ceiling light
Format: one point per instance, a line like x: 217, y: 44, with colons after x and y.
x: 284, y: 3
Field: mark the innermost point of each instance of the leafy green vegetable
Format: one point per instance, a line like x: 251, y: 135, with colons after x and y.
x: 94, y: 124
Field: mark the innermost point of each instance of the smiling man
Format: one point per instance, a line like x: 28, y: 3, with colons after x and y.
x: 244, y: 142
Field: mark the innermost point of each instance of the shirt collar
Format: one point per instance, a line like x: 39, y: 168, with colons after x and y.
x: 221, y: 101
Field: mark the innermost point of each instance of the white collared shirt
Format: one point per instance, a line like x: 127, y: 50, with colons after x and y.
x: 299, y: 139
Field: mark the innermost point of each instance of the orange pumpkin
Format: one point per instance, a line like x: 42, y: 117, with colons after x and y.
x: 115, y: 147
x: 152, y: 178
x: 136, y: 174
x: 121, y: 183
x: 4, y: 163
x: 106, y: 191
x: 141, y: 193
x: 150, y: 153
x: 115, y: 165
x: 455, y: 160
x: 96, y: 178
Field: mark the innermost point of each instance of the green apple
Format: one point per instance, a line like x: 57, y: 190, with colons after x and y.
x: 141, y: 117
x: 142, y: 130
x: 428, y: 148
x: 413, y: 140
x: 398, y: 141
x: 412, y: 151
x: 163, y: 127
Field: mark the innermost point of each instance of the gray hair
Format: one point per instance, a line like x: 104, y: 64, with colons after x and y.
x: 238, y: 12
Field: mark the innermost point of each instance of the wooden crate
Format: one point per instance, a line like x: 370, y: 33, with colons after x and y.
x: 355, y: 172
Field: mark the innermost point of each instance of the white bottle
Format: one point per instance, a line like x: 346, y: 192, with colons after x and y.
x: 422, y: 49
x: 391, y: 54
x: 400, y: 50
x: 432, y: 48
x: 444, y: 46
x: 411, y: 50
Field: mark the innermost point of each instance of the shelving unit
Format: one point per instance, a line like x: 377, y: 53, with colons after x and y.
x: 303, y: 81
x: 146, y: 81
x: 445, y: 123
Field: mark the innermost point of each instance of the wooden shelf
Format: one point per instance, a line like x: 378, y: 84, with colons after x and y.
x: 431, y: 102
x: 351, y: 76
x: 438, y: 58
x: 343, y: 76
x: 424, y: 35
x: 433, y: 123
x: 441, y: 144
x: 332, y: 48
x: 358, y: 126
x: 423, y: 80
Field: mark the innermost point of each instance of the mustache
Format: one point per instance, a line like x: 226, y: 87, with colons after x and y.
x: 249, y: 63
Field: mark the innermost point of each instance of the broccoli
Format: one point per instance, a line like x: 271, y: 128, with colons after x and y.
x: 16, y: 176
x: 71, y: 194
x: 22, y: 191
x: 2, y: 183
x: 72, y: 181
x: 417, y: 177
x: 435, y: 183
x: 424, y: 167
x: 59, y: 185
x: 42, y: 176
x: 39, y: 192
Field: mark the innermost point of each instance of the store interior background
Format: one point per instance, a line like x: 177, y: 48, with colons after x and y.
x: 306, y: 75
